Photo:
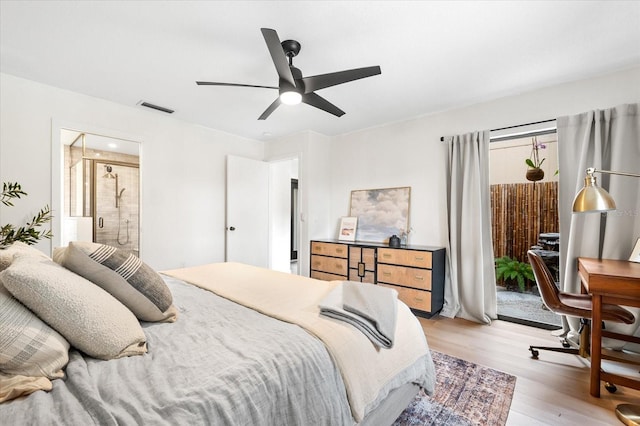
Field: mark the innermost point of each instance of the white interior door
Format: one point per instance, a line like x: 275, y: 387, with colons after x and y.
x: 247, y: 236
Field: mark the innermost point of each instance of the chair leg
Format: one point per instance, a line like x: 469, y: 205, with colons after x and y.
x: 583, y: 350
x: 535, y: 350
x: 585, y: 338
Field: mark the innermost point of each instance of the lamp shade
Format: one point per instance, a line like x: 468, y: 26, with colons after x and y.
x: 592, y: 198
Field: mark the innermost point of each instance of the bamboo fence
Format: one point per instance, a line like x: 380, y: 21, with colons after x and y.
x: 521, y: 212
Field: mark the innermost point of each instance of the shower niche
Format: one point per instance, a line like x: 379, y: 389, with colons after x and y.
x: 102, y: 190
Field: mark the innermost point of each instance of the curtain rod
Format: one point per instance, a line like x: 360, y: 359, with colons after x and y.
x: 516, y: 126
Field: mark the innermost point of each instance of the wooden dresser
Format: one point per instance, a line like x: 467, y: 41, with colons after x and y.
x: 416, y: 272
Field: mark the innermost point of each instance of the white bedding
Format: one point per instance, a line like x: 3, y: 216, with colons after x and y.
x: 369, y: 373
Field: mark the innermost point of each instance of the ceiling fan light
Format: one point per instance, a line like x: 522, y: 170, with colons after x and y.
x: 290, y: 98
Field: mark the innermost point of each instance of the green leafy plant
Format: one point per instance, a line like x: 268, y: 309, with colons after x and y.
x: 510, y: 270
x: 534, y: 160
x: 28, y: 234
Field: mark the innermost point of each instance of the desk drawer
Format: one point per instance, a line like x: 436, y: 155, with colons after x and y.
x: 415, y: 299
x: 331, y: 265
x: 329, y: 249
x: 419, y: 259
x: 402, y: 275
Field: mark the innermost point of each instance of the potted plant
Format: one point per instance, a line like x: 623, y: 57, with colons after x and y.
x: 512, y: 270
x: 534, y: 172
x: 27, y: 234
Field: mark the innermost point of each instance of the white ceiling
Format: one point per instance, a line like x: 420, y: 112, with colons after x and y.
x: 434, y: 55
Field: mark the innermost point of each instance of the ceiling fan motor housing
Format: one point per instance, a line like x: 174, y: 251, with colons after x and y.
x: 291, y: 48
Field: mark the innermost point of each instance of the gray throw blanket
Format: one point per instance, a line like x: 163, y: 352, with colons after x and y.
x: 370, y: 308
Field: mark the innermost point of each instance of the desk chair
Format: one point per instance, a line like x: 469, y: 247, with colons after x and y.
x: 574, y: 305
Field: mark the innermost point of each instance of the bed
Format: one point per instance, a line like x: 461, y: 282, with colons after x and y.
x: 236, y: 345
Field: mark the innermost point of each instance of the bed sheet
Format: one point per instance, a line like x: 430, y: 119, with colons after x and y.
x: 219, y: 364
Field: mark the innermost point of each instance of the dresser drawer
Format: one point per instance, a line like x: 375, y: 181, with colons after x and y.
x: 419, y: 259
x: 415, y: 299
x: 331, y: 265
x: 402, y: 275
x: 329, y: 249
x: 369, y: 276
x: 326, y: 277
x: 362, y: 255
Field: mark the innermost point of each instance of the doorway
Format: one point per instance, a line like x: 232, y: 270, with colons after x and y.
x: 295, y: 231
x: 524, y: 217
x: 101, y: 190
x: 259, y: 213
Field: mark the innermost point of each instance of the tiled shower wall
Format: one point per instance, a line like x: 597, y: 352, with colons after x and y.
x: 119, y: 225
x: 126, y: 219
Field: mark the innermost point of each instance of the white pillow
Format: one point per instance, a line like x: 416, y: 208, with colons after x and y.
x: 124, y: 276
x: 6, y: 254
x: 87, y: 316
x: 28, y: 346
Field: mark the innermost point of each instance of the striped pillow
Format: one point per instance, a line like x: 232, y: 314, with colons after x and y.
x: 28, y: 346
x: 125, y: 276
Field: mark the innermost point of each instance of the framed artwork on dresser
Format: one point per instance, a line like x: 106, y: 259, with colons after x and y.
x: 348, y: 228
x: 381, y: 212
x: 635, y: 254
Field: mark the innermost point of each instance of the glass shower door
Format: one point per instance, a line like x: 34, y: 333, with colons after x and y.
x: 116, y: 202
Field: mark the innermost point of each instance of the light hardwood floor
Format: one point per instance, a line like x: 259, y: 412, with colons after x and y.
x: 552, y: 390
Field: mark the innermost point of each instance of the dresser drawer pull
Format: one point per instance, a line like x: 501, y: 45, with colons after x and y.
x: 418, y: 299
x: 419, y: 257
x: 385, y: 273
x: 387, y: 255
x: 339, y: 250
x: 338, y: 265
x: 419, y: 277
x: 316, y: 264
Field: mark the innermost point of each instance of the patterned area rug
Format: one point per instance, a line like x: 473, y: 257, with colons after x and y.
x: 466, y: 394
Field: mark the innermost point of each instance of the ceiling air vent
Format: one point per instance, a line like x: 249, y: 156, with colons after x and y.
x: 156, y: 107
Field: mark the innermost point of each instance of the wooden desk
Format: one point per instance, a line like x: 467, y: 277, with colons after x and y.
x: 609, y: 281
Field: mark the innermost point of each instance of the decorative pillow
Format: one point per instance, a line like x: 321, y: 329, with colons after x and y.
x: 28, y: 346
x: 14, y: 386
x: 123, y: 275
x: 86, y: 315
x: 6, y: 254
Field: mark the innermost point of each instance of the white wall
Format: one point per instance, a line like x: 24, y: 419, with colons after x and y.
x: 182, y: 170
x: 410, y: 153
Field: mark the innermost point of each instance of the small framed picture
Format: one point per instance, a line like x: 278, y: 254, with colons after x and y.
x: 635, y: 254
x: 348, y: 228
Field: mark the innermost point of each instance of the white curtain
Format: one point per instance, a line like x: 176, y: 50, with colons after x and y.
x: 472, y: 294
x: 608, y: 140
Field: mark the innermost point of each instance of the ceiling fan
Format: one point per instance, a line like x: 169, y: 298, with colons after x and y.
x: 293, y: 87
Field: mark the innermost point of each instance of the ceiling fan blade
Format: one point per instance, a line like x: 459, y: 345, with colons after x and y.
x: 277, y: 55
x: 267, y: 112
x: 321, y: 81
x: 321, y: 103
x: 212, y: 83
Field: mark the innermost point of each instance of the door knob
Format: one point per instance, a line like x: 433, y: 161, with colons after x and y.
x: 232, y: 228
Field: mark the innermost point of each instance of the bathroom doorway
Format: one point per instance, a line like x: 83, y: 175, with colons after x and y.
x: 101, y: 190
